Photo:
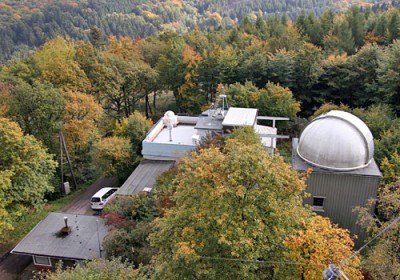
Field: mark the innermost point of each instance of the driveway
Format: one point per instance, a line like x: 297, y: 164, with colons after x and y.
x: 12, y: 266
x: 81, y: 204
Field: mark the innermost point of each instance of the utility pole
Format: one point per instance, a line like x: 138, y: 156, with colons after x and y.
x: 63, y: 146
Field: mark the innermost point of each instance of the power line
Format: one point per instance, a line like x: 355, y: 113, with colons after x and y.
x: 369, y: 242
x: 260, y: 261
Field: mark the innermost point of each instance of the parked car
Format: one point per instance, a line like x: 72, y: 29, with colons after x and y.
x: 102, y: 197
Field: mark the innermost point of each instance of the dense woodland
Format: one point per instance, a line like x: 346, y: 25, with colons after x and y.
x: 28, y: 24
x: 105, y: 93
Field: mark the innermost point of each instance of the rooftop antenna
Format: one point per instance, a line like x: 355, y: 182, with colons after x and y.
x: 221, y: 105
x: 170, y: 120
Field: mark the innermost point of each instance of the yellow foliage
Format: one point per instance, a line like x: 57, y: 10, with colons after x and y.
x: 149, y: 14
x: 216, y: 16
x: 319, y: 242
x: 80, y: 116
x: 335, y: 59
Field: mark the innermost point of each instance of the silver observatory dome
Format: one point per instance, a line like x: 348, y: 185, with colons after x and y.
x: 337, y: 141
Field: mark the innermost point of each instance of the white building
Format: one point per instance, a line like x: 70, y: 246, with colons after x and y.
x: 166, y: 142
x: 173, y: 137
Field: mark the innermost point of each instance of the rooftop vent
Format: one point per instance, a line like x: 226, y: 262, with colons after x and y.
x: 64, y: 231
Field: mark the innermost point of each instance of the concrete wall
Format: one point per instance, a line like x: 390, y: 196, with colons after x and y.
x: 342, y: 192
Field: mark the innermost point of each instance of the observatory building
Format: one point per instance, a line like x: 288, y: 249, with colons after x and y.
x: 339, y: 148
x: 175, y: 136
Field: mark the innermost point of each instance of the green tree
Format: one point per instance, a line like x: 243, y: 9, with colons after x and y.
x: 356, y: 23
x: 98, y: 269
x: 277, y: 101
x: 135, y: 129
x: 389, y: 75
x: 383, y: 258
x: 131, y: 227
x: 37, y: 108
x: 365, y: 64
x: 25, y: 173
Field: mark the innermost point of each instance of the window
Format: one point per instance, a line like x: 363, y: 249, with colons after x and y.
x: 45, y: 261
x: 108, y: 194
x: 318, y: 203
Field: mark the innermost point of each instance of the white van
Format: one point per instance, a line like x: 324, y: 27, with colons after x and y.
x: 100, y: 199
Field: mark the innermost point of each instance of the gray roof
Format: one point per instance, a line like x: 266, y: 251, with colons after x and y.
x: 209, y: 123
x: 300, y: 165
x: 144, y: 176
x: 337, y: 140
x: 80, y: 244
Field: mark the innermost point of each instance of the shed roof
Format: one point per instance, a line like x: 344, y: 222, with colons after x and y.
x: 240, y: 117
x: 80, y: 244
x: 144, y: 176
x: 301, y: 165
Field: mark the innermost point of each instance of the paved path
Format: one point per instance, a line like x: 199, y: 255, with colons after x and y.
x: 81, y: 204
x: 11, y: 266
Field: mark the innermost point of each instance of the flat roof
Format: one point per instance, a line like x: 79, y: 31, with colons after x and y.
x: 181, y: 134
x: 80, y: 244
x: 144, y: 176
x: 240, y: 117
x: 301, y: 165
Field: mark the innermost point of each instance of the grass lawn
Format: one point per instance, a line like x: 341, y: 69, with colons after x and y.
x: 29, y: 220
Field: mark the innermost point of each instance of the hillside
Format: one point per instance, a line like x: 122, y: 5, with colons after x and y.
x: 30, y: 23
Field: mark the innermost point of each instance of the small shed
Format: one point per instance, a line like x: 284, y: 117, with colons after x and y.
x: 67, y: 237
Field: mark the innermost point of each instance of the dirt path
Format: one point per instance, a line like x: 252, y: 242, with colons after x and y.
x: 12, y: 266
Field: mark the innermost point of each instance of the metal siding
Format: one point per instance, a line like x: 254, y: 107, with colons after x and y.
x: 343, y: 193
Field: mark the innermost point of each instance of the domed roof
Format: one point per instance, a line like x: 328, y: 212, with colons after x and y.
x: 337, y: 141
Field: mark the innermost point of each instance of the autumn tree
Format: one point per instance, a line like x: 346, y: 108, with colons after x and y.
x: 230, y: 203
x: 237, y: 203
x: 80, y: 117
x: 26, y: 172
x: 272, y: 100
x: 57, y: 65
x: 313, y: 246
x: 112, y: 156
x: 189, y: 93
